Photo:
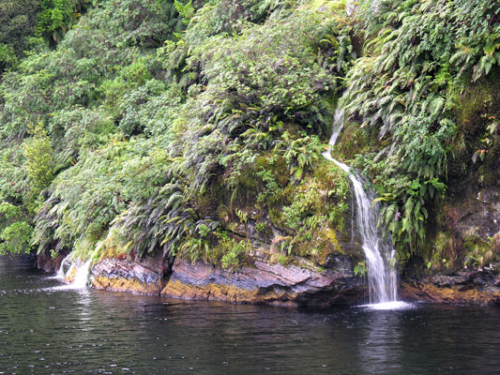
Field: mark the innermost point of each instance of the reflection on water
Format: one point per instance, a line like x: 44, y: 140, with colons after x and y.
x: 57, y: 331
x: 380, y: 348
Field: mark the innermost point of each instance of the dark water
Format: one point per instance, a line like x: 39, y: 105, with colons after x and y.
x: 95, y: 332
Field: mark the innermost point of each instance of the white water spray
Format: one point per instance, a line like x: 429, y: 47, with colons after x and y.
x: 60, y: 272
x: 382, y: 278
x: 81, y: 276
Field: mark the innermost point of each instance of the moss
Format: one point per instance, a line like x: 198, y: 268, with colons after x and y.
x: 490, y: 169
x: 354, y: 141
x: 328, y: 238
x: 334, y: 203
x: 275, y: 216
x: 221, y: 292
x: 443, y: 254
x: 311, y: 212
x: 475, y: 108
x: 478, y: 252
x: 453, y: 294
x: 495, y: 243
x: 280, y: 171
x: 222, y: 213
x: 276, y: 164
x: 477, y: 99
x: 118, y: 284
x: 282, y: 259
x: 115, y: 252
x: 326, y: 244
x: 248, y: 181
x: 209, y: 201
x: 230, y: 253
x: 204, y: 202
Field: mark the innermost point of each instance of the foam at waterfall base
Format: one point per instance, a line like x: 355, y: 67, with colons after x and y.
x: 80, y: 281
x: 392, y: 305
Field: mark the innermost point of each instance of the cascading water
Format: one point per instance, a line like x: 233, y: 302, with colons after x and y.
x: 60, y: 272
x: 81, y: 277
x: 382, y: 278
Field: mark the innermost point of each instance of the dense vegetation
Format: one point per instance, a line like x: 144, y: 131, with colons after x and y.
x: 195, y: 129
x: 420, y: 58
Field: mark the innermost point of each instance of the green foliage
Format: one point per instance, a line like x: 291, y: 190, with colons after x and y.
x: 16, y: 238
x: 310, y: 210
x: 28, y: 23
x: 13, y: 179
x: 15, y: 233
x: 55, y: 16
x: 444, y: 253
x: 86, y: 198
x: 185, y: 10
x: 261, y: 227
x: 253, y: 85
x: 300, y: 154
x: 416, y: 55
x: 242, y: 216
x: 235, y: 254
x: 17, y: 22
x: 360, y: 269
x: 39, y: 162
x: 7, y: 57
x: 94, y: 88
x: 479, y: 251
x: 215, y: 247
x: 161, y: 125
x: 303, y: 205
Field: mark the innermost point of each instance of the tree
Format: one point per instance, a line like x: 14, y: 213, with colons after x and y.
x: 18, y: 19
x: 39, y: 163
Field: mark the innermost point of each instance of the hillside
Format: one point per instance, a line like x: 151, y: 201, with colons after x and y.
x: 194, y: 131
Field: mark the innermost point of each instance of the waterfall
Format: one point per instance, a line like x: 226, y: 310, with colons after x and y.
x: 81, y: 276
x: 382, y: 278
x: 60, y: 272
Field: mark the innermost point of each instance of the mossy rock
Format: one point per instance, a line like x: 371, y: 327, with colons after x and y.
x: 354, y: 141
x: 276, y: 164
x: 479, y: 98
x: 475, y: 109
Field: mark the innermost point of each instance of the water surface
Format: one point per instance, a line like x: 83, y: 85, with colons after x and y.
x: 46, y: 331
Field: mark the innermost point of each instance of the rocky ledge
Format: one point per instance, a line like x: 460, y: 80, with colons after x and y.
x: 480, y: 286
x: 277, y: 284
x: 264, y: 283
x: 145, y: 276
x: 261, y: 283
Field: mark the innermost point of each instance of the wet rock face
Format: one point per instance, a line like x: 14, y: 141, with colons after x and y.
x: 146, y: 276
x: 280, y: 285
x: 480, y: 214
x: 275, y: 284
x: 339, y: 263
x: 478, y: 287
x: 263, y: 283
x: 45, y: 262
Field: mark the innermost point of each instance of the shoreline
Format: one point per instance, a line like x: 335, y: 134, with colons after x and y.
x: 275, y: 284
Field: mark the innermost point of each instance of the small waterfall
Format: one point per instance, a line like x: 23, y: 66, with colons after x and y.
x: 382, y: 278
x: 82, y: 275
x: 60, y: 272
